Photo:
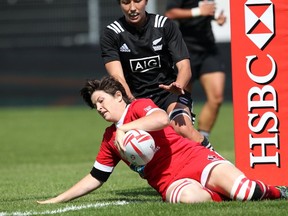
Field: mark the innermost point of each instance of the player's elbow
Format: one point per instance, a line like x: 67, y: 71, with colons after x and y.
x: 163, y: 120
x: 172, y: 13
x: 166, y: 122
x: 169, y: 14
x: 158, y: 120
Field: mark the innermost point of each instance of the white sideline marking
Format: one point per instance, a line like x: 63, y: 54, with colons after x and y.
x: 62, y: 210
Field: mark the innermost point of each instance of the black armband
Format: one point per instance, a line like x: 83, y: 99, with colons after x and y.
x: 100, y: 175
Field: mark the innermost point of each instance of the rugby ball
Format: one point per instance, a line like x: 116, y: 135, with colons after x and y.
x: 140, y: 147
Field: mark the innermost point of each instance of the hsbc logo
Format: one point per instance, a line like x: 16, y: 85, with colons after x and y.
x: 259, y: 22
x: 262, y: 96
x: 142, y: 65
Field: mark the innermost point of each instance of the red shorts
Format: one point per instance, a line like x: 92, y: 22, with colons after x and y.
x: 198, y: 167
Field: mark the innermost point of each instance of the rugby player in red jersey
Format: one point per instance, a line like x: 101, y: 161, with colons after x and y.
x: 181, y: 171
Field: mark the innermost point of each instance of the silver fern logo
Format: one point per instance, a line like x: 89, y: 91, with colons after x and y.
x: 155, y: 44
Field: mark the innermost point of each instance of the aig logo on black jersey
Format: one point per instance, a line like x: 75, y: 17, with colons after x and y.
x: 145, y: 64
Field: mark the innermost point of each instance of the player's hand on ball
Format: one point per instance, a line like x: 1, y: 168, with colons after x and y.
x: 140, y: 147
x: 119, y: 140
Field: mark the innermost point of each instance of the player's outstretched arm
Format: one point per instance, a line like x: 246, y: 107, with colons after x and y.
x: 173, y: 87
x: 183, y: 78
x: 156, y: 120
x: 83, y: 187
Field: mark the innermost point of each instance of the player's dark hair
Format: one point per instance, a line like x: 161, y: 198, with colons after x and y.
x: 107, y: 84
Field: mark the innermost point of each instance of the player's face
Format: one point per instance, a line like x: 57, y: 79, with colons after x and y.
x: 134, y: 11
x: 109, y: 107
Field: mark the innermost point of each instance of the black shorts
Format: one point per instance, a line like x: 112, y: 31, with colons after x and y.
x: 205, y: 62
x: 169, y: 98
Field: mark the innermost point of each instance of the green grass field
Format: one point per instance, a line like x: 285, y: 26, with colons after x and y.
x: 44, y: 151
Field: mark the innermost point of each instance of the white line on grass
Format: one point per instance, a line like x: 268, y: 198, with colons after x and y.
x: 62, y: 210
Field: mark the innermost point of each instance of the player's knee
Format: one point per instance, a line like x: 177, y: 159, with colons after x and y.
x: 246, y: 189
x: 191, y: 133
x: 219, y: 100
x: 187, y: 191
x: 186, y: 131
x: 195, y: 195
x: 183, y: 126
x: 216, y: 101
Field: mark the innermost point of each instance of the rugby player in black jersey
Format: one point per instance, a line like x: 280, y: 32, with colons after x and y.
x: 194, y: 18
x: 143, y: 51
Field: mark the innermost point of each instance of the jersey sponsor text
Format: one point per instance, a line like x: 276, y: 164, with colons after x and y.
x: 142, y: 65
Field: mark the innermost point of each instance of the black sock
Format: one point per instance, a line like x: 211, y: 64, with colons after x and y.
x: 207, y: 144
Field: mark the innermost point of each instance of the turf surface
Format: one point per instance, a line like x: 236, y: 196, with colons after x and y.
x: 45, y: 150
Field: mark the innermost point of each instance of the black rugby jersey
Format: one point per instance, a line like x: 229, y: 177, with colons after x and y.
x: 197, y: 31
x: 147, y: 55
